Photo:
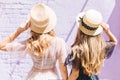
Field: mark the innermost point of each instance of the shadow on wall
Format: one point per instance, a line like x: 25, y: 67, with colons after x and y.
x: 114, y: 20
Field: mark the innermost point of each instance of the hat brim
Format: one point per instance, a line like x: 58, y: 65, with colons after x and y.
x: 86, y: 31
x: 50, y: 25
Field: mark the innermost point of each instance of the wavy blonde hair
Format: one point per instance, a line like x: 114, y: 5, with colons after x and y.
x: 88, y: 52
x: 38, y: 43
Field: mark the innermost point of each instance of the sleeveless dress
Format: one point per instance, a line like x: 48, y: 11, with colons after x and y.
x: 109, y: 49
x: 44, y: 68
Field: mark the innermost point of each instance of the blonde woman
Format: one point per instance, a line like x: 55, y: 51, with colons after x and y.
x: 44, y: 47
x: 89, y: 49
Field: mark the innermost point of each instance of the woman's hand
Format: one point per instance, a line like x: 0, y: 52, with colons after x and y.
x: 74, y: 74
x: 14, y: 35
x: 109, y: 33
x: 23, y: 27
x: 105, y: 26
x: 63, y: 70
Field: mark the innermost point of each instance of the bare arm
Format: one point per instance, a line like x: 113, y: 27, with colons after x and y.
x: 13, y: 36
x: 109, y: 33
x: 63, y: 70
x: 74, y: 74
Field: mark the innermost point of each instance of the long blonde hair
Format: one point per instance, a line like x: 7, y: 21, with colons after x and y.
x: 38, y: 43
x: 88, y: 52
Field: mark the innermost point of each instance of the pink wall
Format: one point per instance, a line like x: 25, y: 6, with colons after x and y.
x: 111, y: 69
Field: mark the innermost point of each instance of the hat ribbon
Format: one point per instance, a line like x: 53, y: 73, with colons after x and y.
x: 86, y: 26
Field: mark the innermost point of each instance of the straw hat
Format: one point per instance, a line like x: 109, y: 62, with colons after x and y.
x: 89, y: 22
x: 42, y: 18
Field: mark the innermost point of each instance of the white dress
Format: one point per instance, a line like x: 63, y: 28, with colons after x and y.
x: 44, y: 68
x: 3, y: 71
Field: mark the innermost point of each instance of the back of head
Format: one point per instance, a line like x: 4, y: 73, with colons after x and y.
x: 42, y: 18
x: 89, y: 22
x: 89, y: 46
x: 88, y: 52
x: 43, y: 21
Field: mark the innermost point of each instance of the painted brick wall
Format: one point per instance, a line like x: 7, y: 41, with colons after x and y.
x: 12, y: 14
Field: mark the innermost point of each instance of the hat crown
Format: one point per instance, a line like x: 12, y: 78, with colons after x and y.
x: 92, y: 18
x: 42, y: 18
x: 89, y: 22
x: 39, y: 13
